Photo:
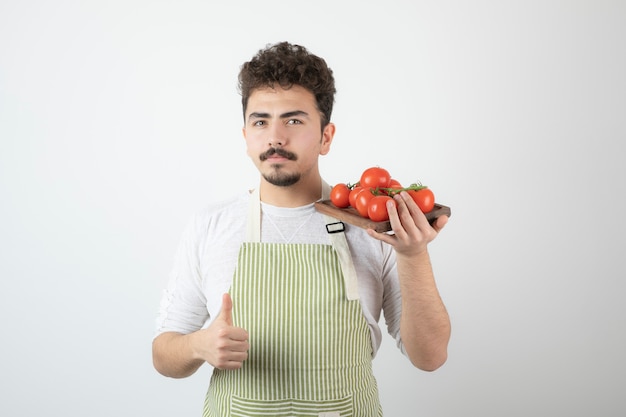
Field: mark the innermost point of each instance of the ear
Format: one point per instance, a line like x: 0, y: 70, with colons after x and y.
x: 327, y: 138
x: 244, y: 134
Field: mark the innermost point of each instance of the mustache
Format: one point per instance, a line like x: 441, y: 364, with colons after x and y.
x: 278, y: 151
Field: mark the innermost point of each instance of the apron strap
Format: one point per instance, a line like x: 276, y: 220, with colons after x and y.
x: 340, y: 244
x: 253, y: 225
x: 337, y: 240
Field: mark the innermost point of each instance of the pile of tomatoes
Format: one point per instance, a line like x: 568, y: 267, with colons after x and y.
x: 376, y: 187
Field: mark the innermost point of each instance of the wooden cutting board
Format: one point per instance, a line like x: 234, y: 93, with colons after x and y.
x: 351, y: 216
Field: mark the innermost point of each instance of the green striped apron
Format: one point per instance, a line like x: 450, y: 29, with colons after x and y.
x: 310, y: 347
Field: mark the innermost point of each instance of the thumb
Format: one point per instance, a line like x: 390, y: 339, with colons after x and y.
x: 227, y: 309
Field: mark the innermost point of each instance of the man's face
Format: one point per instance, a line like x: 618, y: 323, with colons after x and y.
x: 283, y: 134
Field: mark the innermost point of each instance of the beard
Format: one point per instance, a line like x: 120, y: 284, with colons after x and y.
x: 281, y: 179
x: 277, y: 176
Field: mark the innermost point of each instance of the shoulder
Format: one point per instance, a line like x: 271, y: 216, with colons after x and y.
x: 226, y: 207
x: 218, y: 215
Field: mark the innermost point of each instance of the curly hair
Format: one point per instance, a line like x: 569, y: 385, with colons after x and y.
x: 286, y: 64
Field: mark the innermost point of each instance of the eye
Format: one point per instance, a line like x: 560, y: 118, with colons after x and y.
x: 294, y: 122
x: 259, y: 123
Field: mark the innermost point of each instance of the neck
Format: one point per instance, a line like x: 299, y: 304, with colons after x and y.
x: 297, y: 195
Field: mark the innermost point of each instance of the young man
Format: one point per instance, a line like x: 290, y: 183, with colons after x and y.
x: 286, y: 312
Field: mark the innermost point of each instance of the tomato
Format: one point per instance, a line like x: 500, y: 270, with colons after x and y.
x: 377, y: 208
x: 362, y: 200
x: 353, y: 193
x: 339, y: 195
x: 393, y: 188
x: 424, y: 198
x: 375, y: 177
x: 393, y: 183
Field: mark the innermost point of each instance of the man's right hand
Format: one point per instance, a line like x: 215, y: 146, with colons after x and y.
x: 222, y: 345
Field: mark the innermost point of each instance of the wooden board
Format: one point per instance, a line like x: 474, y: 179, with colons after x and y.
x: 351, y: 216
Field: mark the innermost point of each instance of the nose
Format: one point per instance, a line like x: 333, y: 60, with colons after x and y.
x: 276, y: 137
x: 274, y: 142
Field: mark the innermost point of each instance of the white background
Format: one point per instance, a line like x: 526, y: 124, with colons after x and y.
x: 119, y: 119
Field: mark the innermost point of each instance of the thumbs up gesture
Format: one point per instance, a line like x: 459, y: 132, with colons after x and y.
x: 226, y: 314
x: 224, y: 345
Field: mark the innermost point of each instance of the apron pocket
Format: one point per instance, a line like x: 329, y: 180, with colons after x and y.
x: 247, y: 407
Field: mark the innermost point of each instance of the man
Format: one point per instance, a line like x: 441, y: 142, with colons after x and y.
x: 286, y: 312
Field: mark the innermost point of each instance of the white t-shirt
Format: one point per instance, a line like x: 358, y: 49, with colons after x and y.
x: 207, y: 256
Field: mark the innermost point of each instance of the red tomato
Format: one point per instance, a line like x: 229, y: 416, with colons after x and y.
x: 377, y: 208
x: 375, y: 177
x: 339, y: 195
x: 393, y: 188
x: 362, y: 200
x: 353, y: 193
x: 424, y: 198
x: 394, y: 184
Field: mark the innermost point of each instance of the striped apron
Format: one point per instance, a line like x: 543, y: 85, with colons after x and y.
x: 310, y: 348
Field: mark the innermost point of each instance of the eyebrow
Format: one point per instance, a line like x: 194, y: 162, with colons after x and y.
x: 259, y: 115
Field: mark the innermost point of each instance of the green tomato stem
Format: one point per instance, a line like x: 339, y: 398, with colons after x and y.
x: 393, y: 191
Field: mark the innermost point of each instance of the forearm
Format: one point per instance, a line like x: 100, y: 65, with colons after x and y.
x: 173, y: 355
x: 425, y: 324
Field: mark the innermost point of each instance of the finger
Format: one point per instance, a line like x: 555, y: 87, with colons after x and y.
x: 405, y: 212
x: 231, y: 364
x: 237, y: 334
x: 440, y: 222
x: 226, y: 314
x: 414, y: 213
x: 230, y: 359
x: 394, y: 215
